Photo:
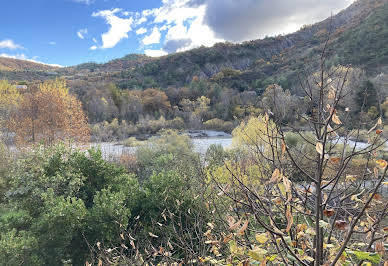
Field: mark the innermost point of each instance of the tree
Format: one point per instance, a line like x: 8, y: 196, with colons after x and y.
x: 333, y: 214
x: 50, y: 114
x: 9, y: 99
x: 155, y: 101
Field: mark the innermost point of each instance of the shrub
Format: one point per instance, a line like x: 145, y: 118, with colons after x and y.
x: 219, y: 125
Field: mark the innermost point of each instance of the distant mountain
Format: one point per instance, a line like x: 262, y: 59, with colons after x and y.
x: 359, y: 37
x: 16, y: 69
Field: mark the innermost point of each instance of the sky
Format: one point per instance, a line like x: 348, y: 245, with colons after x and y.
x: 70, y: 32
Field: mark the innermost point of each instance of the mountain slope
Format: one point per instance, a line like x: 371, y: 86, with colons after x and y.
x: 356, y: 38
x: 359, y: 37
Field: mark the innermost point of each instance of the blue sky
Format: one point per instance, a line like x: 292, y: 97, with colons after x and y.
x: 70, y: 32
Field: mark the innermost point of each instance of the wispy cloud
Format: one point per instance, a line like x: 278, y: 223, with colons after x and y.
x: 81, y: 33
x: 9, y: 44
x: 52, y: 43
x: 119, y: 27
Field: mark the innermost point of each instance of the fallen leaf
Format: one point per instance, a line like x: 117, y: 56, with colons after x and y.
x: 378, y: 131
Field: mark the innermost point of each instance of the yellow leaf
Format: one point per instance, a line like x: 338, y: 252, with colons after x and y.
x: 382, y: 164
x: 379, y: 121
x: 261, y: 238
x: 319, y: 148
x: 257, y: 254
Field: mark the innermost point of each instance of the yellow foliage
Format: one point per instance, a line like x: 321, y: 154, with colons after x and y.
x: 257, y: 133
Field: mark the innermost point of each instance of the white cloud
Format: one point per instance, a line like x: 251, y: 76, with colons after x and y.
x: 155, y: 53
x: 141, y: 31
x: 81, y: 33
x: 141, y: 20
x: 94, y: 40
x: 9, y: 44
x: 94, y: 47
x: 153, y: 38
x: 187, y: 24
x: 52, y: 43
x: 24, y: 57
x: 119, y: 27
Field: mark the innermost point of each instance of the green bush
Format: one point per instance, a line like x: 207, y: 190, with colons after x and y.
x: 59, y: 198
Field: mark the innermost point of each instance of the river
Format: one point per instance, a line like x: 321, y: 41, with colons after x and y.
x: 115, y: 149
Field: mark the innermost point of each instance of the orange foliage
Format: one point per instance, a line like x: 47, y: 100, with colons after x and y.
x: 49, y: 114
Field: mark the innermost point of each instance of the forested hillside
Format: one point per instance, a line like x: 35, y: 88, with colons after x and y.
x: 217, y: 87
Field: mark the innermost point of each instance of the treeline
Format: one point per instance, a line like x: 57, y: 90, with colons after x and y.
x: 118, y: 113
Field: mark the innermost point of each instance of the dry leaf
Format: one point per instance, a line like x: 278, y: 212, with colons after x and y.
x: 335, y: 160
x: 152, y: 235
x: 283, y: 148
x: 378, y: 131
x: 340, y: 225
x: 228, y: 238
x: 376, y: 172
x: 331, y: 94
x: 275, y: 176
x: 336, y: 119
x: 243, y: 228
x: 328, y: 213
x: 382, y: 164
x: 379, y: 121
x: 290, y: 220
x: 234, y: 226
x: 377, y: 196
x: 319, y: 148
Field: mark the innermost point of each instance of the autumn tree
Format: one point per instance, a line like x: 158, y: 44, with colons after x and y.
x: 49, y: 114
x: 9, y: 99
x: 314, y: 202
x: 154, y: 101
